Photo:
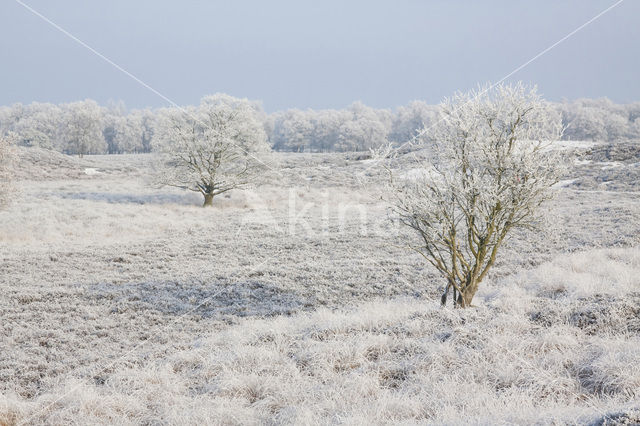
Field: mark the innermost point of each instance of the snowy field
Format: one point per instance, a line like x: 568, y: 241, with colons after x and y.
x: 294, y: 302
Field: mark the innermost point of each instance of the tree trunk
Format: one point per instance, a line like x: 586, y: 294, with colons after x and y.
x: 465, y: 298
x: 208, y: 200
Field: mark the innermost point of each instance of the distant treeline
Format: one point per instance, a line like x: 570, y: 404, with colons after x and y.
x: 87, y: 128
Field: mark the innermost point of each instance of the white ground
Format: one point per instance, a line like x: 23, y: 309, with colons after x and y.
x: 294, y: 303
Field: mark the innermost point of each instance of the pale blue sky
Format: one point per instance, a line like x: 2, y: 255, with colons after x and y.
x: 314, y: 54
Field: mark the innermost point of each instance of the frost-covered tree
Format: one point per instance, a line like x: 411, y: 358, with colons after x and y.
x: 326, y: 134
x: 634, y: 129
x: 293, y: 130
x: 596, y: 120
x: 134, y: 140
x: 213, y: 148
x: 113, y: 132
x: 492, y: 169
x: 145, y: 122
x: 32, y: 125
x: 367, y: 128
x: 123, y: 133
x: 410, y: 119
x: 82, y: 128
x: 310, y: 130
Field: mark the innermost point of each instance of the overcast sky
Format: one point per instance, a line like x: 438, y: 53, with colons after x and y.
x: 314, y: 54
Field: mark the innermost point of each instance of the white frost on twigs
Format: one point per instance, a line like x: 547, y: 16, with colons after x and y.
x: 490, y: 171
x: 213, y: 148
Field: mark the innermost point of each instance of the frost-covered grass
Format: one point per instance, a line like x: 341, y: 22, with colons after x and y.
x: 293, y: 303
x: 557, y: 343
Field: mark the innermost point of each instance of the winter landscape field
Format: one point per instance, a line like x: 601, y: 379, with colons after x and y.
x: 295, y: 302
x: 359, y: 212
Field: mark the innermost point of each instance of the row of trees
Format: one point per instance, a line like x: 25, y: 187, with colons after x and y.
x: 600, y: 120
x: 79, y: 127
x: 87, y: 128
x: 359, y: 127
x: 356, y: 128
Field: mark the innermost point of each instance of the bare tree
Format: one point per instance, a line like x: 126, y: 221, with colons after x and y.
x: 212, y: 148
x: 493, y: 166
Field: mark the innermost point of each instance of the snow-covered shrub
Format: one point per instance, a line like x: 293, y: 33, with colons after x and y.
x: 492, y: 169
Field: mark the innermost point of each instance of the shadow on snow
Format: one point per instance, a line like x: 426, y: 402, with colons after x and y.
x: 116, y: 198
x: 205, y: 300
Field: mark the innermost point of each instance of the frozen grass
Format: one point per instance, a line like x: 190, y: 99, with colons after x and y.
x: 609, y: 167
x: 398, y: 361
x: 311, y: 318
